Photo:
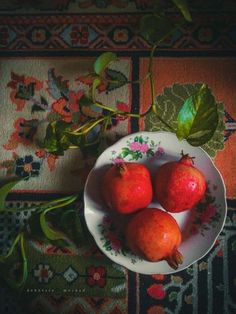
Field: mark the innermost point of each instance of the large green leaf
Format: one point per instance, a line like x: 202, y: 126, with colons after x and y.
x: 103, y: 60
x: 169, y: 104
x: 198, y: 118
x: 182, y: 5
x: 5, y: 188
x: 155, y: 28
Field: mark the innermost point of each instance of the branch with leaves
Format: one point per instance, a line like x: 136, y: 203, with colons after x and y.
x: 197, y: 119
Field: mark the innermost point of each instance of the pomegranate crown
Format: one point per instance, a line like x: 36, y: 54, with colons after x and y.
x: 186, y: 159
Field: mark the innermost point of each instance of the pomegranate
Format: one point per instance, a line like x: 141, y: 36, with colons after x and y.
x: 127, y: 187
x: 179, y: 185
x: 155, y: 235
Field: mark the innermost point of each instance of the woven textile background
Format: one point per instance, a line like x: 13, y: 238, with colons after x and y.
x: 47, y: 46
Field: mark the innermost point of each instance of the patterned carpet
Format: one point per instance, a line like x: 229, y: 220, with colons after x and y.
x: 49, y: 48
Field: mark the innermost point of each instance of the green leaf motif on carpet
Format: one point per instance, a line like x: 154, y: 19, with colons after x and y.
x: 169, y: 104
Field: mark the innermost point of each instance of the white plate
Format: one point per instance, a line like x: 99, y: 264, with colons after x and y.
x: 200, y: 227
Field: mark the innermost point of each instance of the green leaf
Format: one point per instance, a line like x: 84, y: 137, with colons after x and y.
x: 57, y: 139
x: 5, y: 188
x: 50, y: 232
x: 198, y: 117
x: 155, y: 28
x: 115, y: 79
x: 103, y: 60
x: 182, y: 5
x: 85, y: 101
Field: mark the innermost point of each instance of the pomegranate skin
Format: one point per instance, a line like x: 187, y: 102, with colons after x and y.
x: 127, y: 187
x: 155, y: 235
x: 179, y: 186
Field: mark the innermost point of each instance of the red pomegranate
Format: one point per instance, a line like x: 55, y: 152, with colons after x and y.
x: 179, y: 185
x: 127, y: 187
x: 155, y: 235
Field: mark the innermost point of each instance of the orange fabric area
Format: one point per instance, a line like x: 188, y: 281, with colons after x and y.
x: 220, y: 75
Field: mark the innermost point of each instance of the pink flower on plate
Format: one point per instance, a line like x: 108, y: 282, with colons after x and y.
x: 135, y: 146
x: 144, y: 148
x: 114, y: 241
x: 208, y: 213
x: 118, y: 161
x: 160, y: 151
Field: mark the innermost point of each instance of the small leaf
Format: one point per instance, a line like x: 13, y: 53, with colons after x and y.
x: 57, y: 139
x: 155, y: 28
x: 85, y: 101
x: 103, y: 60
x: 183, y: 7
x: 50, y: 232
x: 5, y: 188
x: 198, y: 117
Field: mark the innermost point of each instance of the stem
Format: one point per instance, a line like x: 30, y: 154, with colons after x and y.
x: 153, y: 94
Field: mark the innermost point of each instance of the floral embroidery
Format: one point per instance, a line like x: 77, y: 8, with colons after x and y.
x: 79, y: 35
x: 9, y: 164
x: 96, y: 276
x: 43, y: 273
x: 27, y: 167
x: 38, y: 35
x: 50, y: 158
x: 23, y: 89
x: 156, y: 291
x: 24, y: 134
x: 121, y: 35
x: 66, y: 108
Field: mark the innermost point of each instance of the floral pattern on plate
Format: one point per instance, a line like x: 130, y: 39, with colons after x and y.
x: 137, y: 148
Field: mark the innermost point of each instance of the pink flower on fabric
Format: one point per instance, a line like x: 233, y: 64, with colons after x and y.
x: 208, y: 213
x: 135, y: 146
x: 144, y: 148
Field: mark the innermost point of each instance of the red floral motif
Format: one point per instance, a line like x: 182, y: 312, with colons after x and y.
x: 158, y: 277
x: 121, y: 35
x: 96, y: 276
x: 79, y: 35
x: 66, y: 108
x: 25, y: 131
x: 51, y: 159
x: 156, y: 291
x: 18, y: 81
